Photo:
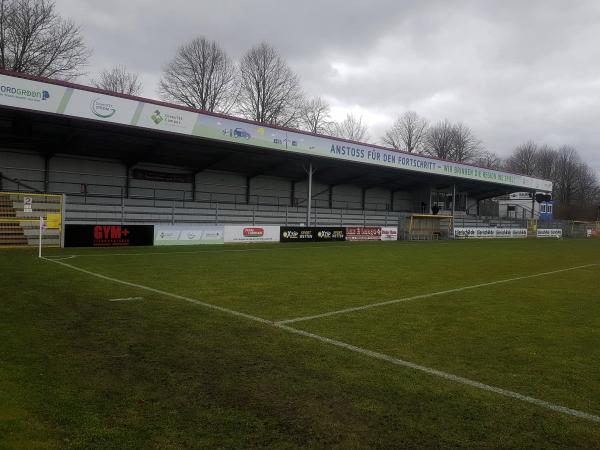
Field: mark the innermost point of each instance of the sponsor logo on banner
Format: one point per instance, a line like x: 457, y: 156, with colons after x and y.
x: 488, y: 233
x: 102, y: 108
x: 389, y: 233
x: 363, y: 233
x: 178, y: 235
x: 167, y: 119
x: 29, y: 94
x: 549, y: 232
x: 111, y: 235
x: 254, y: 232
x: 108, y: 235
x: 312, y: 234
x: 330, y: 234
x: 240, y: 233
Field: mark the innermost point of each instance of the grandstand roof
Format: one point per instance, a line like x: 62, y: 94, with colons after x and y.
x: 50, y: 117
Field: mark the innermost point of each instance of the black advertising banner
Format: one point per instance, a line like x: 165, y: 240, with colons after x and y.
x: 331, y: 234
x: 312, y: 234
x: 108, y: 235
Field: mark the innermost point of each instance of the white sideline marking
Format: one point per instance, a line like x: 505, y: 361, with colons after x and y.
x: 158, y: 291
x: 61, y: 258
x: 379, y: 356
x: 286, y: 246
x: 126, y: 299
x: 445, y: 375
x: 421, y: 296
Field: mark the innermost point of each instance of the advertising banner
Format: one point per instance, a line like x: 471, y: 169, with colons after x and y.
x: 312, y: 234
x: 188, y: 235
x: 363, y: 233
x: 389, y: 233
x: 251, y: 233
x: 489, y: 233
x: 108, y: 235
x: 549, y: 232
x: 104, y: 107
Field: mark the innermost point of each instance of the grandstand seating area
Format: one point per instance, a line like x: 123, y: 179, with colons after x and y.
x: 122, y: 210
x: 80, y: 209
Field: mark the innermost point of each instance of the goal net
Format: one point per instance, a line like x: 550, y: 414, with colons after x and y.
x: 20, y: 214
x: 580, y: 229
x: 427, y: 227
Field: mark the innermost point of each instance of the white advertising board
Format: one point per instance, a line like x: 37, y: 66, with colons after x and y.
x: 389, y: 233
x: 79, y: 101
x: 251, y: 233
x: 549, y: 232
x: 489, y: 233
x: 188, y: 235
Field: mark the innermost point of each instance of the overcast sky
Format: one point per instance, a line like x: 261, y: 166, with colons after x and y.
x: 512, y: 70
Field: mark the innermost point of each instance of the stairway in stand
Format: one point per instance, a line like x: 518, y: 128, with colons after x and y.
x: 11, y: 232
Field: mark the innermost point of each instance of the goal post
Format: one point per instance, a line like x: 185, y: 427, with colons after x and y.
x: 27, y: 216
x: 427, y: 227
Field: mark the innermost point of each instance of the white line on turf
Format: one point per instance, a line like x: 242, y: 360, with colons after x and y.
x: 353, y: 348
x: 444, y: 375
x: 423, y: 296
x: 61, y: 258
x: 164, y: 293
x: 125, y: 299
x: 290, y: 246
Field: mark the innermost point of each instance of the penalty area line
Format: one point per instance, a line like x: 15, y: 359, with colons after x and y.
x: 428, y: 295
x: 363, y: 351
x: 125, y: 299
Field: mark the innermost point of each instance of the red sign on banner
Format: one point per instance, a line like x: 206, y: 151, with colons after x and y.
x: 363, y: 233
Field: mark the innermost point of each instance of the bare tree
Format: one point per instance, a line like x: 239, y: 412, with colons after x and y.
x: 352, y: 128
x: 200, y: 76
x: 440, y: 140
x: 524, y: 159
x: 34, y: 39
x: 314, y: 116
x: 118, y: 79
x: 567, y: 172
x: 545, y: 165
x: 465, y: 146
x: 269, y: 90
x: 489, y: 160
x: 587, y: 188
x: 576, y: 189
x: 408, y: 133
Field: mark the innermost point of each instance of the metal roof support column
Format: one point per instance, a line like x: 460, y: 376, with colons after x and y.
x: 292, y: 193
x: 364, y: 198
x: 194, y: 186
x: 453, y: 200
x: 248, y: 190
x: 128, y: 178
x: 309, y: 199
x: 47, y: 171
x: 532, y: 203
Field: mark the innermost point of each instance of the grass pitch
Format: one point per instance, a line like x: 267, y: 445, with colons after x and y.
x: 80, y: 371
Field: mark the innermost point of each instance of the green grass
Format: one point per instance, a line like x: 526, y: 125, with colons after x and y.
x: 78, y: 371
